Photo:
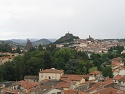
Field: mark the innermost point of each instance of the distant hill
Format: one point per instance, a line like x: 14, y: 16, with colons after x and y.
x: 67, y: 38
x: 52, y: 40
x: 8, y: 42
x: 42, y: 42
x: 22, y: 42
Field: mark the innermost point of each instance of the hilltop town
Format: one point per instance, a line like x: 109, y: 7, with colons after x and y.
x: 69, y: 65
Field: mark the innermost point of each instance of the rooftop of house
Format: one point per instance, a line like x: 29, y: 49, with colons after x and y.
x: 61, y: 85
x: 51, y: 83
x: 109, y: 90
x: 7, y: 84
x: 71, y: 77
x: 27, y: 85
x: 118, y: 77
x: 43, y: 88
x: 79, y: 92
x: 7, y: 91
x: 69, y: 91
x: 101, y: 84
x: 122, y: 79
x: 52, y: 70
x: 118, y: 59
x: 108, y: 82
x: 94, y: 72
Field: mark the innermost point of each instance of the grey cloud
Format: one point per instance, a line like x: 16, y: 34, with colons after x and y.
x: 53, y: 18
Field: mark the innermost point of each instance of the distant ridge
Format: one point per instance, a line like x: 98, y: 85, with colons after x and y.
x: 42, y: 42
x: 22, y: 42
x: 67, y: 38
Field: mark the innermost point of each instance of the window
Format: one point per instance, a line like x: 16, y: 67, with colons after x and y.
x: 41, y: 76
x: 49, y: 77
x: 55, y: 76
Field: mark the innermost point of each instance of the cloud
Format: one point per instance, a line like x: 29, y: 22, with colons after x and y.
x: 53, y: 18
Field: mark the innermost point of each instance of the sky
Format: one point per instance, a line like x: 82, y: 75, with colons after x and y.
x: 101, y: 19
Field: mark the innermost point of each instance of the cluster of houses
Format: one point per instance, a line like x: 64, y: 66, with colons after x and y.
x: 6, y: 56
x: 91, y: 45
x: 53, y: 81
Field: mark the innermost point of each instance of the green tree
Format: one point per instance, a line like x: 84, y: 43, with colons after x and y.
x: 61, y: 57
x: 18, y: 50
x: 71, y: 66
x: 48, y: 60
x: 82, y: 55
x: 81, y: 68
x: 107, y: 72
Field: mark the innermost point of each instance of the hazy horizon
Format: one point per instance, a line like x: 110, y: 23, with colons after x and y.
x: 51, y: 19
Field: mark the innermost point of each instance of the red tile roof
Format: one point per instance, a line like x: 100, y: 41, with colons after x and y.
x: 73, y: 77
x: 117, y: 59
x: 122, y: 79
x: 70, y: 91
x: 116, y: 70
x: 118, y: 77
x: 82, y: 93
x: 61, y: 85
x: 51, y: 71
x: 95, y: 72
x: 109, y: 90
x: 28, y: 85
x: 108, y: 82
x: 10, y: 91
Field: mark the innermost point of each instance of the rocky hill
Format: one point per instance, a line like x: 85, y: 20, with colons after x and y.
x: 67, y: 38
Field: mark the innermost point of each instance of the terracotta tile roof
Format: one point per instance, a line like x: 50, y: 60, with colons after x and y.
x: 108, y: 82
x: 70, y: 91
x: 10, y: 91
x: 116, y: 63
x: 44, y: 88
x: 101, y: 85
x: 116, y: 70
x: 117, y: 59
x: 72, y: 77
x: 109, y: 90
x: 118, y: 77
x: 123, y: 93
x: 94, y: 72
x: 98, y: 84
x: 28, y: 85
x: 122, y: 79
x: 92, y: 88
x: 76, y: 78
x: 65, y: 79
x: 61, y: 85
x: 51, y: 71
x: 107, y: 78
x: 82, y: 93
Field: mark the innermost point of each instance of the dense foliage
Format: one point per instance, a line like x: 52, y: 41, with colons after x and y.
x: 45, y: 57
x: 5, y: 47
x: 70, y: 60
